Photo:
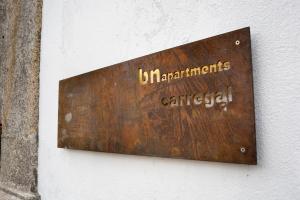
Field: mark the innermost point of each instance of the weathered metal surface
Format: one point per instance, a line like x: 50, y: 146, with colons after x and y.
x: 196, y: 103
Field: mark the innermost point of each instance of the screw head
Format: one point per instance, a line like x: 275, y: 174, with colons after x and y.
x: 243, y: 149
x: 237, y: 42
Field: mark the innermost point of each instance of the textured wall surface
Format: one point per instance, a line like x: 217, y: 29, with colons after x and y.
x: 20, y: 28
x: 79, y: 36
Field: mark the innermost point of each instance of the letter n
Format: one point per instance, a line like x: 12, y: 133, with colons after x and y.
x: 156, y: 73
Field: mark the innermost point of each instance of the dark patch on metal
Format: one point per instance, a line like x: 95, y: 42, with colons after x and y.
x: 193, y: 101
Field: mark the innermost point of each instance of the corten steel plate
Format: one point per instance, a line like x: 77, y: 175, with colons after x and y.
x: 196, y: 103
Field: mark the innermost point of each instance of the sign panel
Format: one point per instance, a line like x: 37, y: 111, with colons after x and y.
x: 193, y: 101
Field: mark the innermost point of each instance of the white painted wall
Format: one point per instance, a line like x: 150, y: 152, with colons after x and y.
x: 79, y: 36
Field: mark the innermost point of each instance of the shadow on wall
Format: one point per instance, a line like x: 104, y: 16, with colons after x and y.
x: 257, y: 80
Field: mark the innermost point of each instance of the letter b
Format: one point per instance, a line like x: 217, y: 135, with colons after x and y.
x: 143, y: 77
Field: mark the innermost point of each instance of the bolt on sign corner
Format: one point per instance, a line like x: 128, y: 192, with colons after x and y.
x: 193, y: 101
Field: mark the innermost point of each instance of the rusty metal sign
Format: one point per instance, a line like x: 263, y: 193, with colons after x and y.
x: 193, y: 101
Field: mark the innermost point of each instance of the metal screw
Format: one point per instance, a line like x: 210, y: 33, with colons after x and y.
x: 243, y: 149
x: 237, y: 42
